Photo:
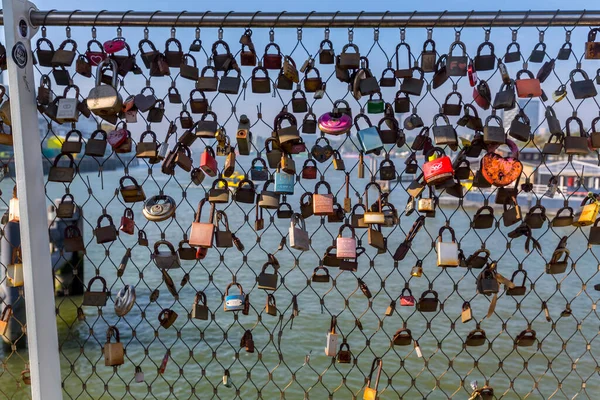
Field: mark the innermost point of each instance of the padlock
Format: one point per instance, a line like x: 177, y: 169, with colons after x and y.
x: 272, y: 60
x: 208, y: 162
x: 223, y: 238
x: 268, y: 199
x: 538, y: 53
x: 375, y: 106
x: 487, y: 283
x: 326, y: 55
x: 369, y: 138
x: 286, y: 136
x: 387, y: 81
x: 167, y: 317
x: 259, y: 172
x: 73, y: 241
x: 63, y: 57
x: 283, y: 182
x: 62, y: 174
x: 96, y: 147
x: 165, y: 259
x: 131, y: 193
x: 517, y: 290
x: 374, y: 214
x: 428, y: 304
x: 457, y: 65
x: 376, y: 238
x: 142, y: 238
x: 127, y: 223
x: 175, y: 58
x: 186, y: 253
x: 428, y: 57
x: 554, y: 147
x: 207, y: 83
x: 199, y: 308
x: 371, y: 392
x: 387, y: 170
x: 476, y: 338
x: 389, y: 131
x: 485, y: 62
x: 466, y: 314
x: 147, y: 56
x: 230, y: 84
x: 205, y: 128
x: 95, y: 298
x: 320, y: 278
x: 266, y: 280
x: 67, y: 107
x: 576, y: 145
x: 444, y: 134
x: 404, y: 72
x: 447, y: 252
x: 222, y: 61
x: 511, y: 215
x: 105, y: 234
x: 345, y: 246
x: 298, y: 234
x: 234, y: 302
x: 439, y: 169
x: 274, y: 152
x: 260, y: 84
x: 529, y: 87
x: 322, y: 204
x: 245, y: 192
x: 402, y: 337
x: 219, y: 192
x: 411, y: 85
x: 201, y: 234
x: 14, y: 271
x: 147, y: 149
x: 309, y: 169
x: 505, y: 98
x: 44, y: 56
x: 349, y: 60
x: 331, y: 343
x: 104, y: 100
x: 520, y: 127
x: 114, y: 353
x: 159, y: 208
x: 139, y: 374
x: 299, y: 104
x: 125, y: 299
x: 493, y: 135
x: 312, y: 84
x: 271, y: 305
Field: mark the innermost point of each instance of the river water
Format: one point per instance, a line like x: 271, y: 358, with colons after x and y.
x: 199, y: 352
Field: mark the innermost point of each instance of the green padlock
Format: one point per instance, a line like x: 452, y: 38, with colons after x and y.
x: 375, y: 106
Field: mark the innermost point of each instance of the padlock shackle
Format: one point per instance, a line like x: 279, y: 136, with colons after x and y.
x: 166, y: 243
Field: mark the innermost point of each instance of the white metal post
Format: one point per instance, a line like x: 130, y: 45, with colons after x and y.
x: 42, y: 334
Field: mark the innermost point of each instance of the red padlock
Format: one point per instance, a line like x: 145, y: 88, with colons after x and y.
x: 472, y: 74
x: 407, y: 300
x: 309, y: 170
x: 115, y: 45
x: 208, y: 162
x: 438, y: 170
x: 95, y: 57
x: 117, y: 137
x: 201, y: 253
x: 127, y: 224
x: 482, y: 95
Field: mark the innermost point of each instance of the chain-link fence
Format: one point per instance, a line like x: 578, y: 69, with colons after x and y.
x: 517, y: 314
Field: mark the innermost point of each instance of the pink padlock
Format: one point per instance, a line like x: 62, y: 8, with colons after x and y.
x: 345, y: 246
x: 114, y: 45
x: 335, y: 124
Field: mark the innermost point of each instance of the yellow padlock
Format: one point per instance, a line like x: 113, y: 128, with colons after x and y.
x: 371, y: 392
x: 588, y: 212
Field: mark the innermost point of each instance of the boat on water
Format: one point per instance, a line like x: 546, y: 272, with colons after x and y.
x: 233, y: 181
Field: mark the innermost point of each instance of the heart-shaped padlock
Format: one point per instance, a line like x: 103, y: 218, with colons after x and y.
x: 145, y: 102
x: 502, y: 171
x: 117, y: 137
x: 114, y: 45
x: 322, y: 153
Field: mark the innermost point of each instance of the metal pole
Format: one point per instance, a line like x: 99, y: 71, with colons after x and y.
x: 319, y: 19
x: 42, y: 334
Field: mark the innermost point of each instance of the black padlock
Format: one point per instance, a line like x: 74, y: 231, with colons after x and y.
x: 505, y: 98
x: 493, y: 134
x: 512, y: 56
x: 428, y: 57
x: 486, y: 62
x: 444, y: 134
x: 584, y: 88
x: 538, y: 53
x: 411, y: 85
x: 576, y: 145
x: 520, y: 127
x: 457, y: 65
x: 451, y: 109
x: 387, y: 170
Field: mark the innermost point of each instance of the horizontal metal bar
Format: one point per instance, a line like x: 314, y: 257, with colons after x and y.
x: 455, y: 19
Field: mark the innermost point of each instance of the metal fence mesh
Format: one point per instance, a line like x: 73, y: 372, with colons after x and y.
x: 289, y: 360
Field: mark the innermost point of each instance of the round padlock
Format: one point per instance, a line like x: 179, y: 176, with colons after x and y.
x: 159, y: 208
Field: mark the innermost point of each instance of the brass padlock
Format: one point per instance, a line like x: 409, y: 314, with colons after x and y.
x: 131, y: 193
x: 7, y: 313
x: 271, y: 306
x: 167, y: 317
x: 114, y: 353
x: 14, y: 271
x: 13, y: 207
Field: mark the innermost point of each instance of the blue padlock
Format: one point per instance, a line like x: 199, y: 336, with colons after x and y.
x: 284, y: 182
x: 369, y: 138
x: 234, y: 302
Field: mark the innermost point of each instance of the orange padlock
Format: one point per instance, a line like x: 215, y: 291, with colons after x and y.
x: 208, y: 162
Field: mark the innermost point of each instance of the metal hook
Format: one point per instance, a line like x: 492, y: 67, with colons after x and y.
x: 94, y: 24
x: 146, y: 29
x: 458, y: 31
x: 68, y: 28
x: 252, y: 20
x: 327, y: 30
x: 222, y: 22
x: 44, y: 22
x: 382, y: 18
x: 272, y: 30
x: 576, y: 23
x: 175, y: 24
x: 119, y: 30
x: 409, y: 18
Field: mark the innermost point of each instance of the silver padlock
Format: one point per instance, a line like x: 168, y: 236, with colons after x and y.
x: 139, y: 375
x: 227, y: 379
x: 67, y: 107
